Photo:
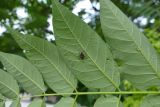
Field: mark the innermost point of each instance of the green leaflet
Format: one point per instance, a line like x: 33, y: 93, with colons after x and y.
x: 2, y: 104
x: 8, y: 85
x: 151, y: 101
x: 1, y: 97
x: 84, y: 50
x: 65, y: 102
x: 24, y: 72
x: 16, y: 103
x: 46, y: 57
x: 37, y: 103
x: 108, y: 101
x: 136, y: 57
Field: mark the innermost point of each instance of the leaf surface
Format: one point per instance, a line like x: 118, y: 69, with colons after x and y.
x: 24, y: 72
x: 16, y: 103
x: 85, y: 52
x: 109, y: 101
x: 151, y: 101
x: 2, y: 104
x: 37, y: 103
x: 65, y: 102
x: 8, y: 85
x: 135, y: 56
x: 46, y: 57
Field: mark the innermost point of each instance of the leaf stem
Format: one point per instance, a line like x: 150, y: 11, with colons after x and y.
x: 95, y: 93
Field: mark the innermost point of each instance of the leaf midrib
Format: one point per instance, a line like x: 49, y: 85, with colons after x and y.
x: 135, y: 42
x: 49, y: 62
x: 108, y: 78
x: 23, y: 74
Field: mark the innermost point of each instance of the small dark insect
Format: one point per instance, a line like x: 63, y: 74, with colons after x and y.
x: 82, y: 56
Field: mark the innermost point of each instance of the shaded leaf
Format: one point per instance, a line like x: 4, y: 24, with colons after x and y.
x: 136, y: 57
x: 2, y: 104
x: 8, y: 85
x: 46, y: 57
x: 96, y: 69
x: 65, y: 102
x: 16, y: 103
x: 151, y: 101
x: 109, y: 101
x: 24, y: 72
x: 37, y: 103
x: 1, y: 97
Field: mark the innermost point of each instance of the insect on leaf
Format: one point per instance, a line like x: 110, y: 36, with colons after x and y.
x: 73, y: 37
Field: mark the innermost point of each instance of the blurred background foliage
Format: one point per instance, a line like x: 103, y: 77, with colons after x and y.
x: 34, y: 17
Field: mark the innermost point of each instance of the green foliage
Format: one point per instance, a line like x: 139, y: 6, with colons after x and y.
x: 151, y: 101
x: 74, y: 38
x: 66, y: 102
x: 46, y: 57
x: 16, y: 103
x: 110, y: 101
x: 139, y: 61
x: 80, y: 56
x: 24, y: 72
x: 8, y: 85
x: 37, y: 103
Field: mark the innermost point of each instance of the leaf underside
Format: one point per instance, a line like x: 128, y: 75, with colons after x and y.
x: 151, y: 101
x: 136, y: 57
x: 2, y: 104
x: 15, y: 103
x: 65, y: 102
x: 8, y: 85
x: 24, y: 72
x: 109, y: 101
x: 96, y: 69
x: 46, y: 57
x: 37, y: 103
